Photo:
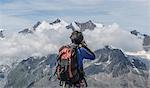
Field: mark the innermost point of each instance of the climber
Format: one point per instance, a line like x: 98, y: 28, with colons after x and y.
x: 70, y: 62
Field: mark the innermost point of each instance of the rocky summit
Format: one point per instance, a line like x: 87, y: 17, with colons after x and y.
x: 87, y: 25
x: 25, y: 31
x: 1, y: 34
x: 146, y: 39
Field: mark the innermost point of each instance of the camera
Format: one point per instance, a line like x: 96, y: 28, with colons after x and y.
x: 77, y: 37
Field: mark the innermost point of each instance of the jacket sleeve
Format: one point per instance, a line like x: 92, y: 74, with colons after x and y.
x: 87, y: 53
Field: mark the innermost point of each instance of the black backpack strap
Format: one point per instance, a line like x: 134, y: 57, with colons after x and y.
x: 85, y: 82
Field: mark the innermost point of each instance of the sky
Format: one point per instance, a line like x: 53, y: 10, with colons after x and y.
x: 16, y: 15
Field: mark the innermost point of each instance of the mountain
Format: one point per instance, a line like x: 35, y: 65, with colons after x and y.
x: 135, y: 32
x: 111, y: 69
x: 70, y: 26
x: 4, y: 70
x: 30, y: 71
x: 36, y: 25
x: 56, y: 21
x: 87, y: 25
x: 30, y: 30
x: 146, y: 42
x: 44, y: 25
x: 26, y: 31
x: 146, y: 39
x: 1, y: 34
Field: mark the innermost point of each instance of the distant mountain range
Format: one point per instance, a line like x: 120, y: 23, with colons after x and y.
x: 89, y: 25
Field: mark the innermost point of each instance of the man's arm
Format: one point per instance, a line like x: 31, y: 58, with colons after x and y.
x: 87, y: 53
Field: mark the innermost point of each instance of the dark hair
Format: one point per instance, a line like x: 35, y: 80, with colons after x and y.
x: 76, y: 37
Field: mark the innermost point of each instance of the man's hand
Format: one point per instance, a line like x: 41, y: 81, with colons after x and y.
x: 83, y: 44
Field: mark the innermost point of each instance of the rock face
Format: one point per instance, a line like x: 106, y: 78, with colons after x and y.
x: 26, y: 31
x: 113, y: 69
x: 70, y: 26
x: 110, y: 69
x: 146, y: 43
x: 4, y: 70
x: 1, y: 34
x: 146, y: 39
x: 135, y: 32
x: 36, y: 25
x: 29, y: 71
x: 87, y: 25
x: 56, y: 21
x: 113, y: 62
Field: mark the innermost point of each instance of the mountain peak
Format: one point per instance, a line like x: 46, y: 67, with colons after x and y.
x: 70, y: 26
x: 1, y: 34
x: 56, y: 21
x: 146, y: 39
x: 115, y: 63
x: 134, y: 32
x: 36, y: 25
x: 25, y: 31
x: 87, y: 25
x: 146, y: 43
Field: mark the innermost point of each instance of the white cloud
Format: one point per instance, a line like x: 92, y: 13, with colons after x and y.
x: 14, y: 15
x: 49, y: 38
x: 115, y: 36
x: 44, y: 41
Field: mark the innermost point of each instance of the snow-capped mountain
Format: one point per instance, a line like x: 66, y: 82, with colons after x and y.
x: 144, y: 37
x: 44, y: 25
x: 113, y: 69
x: 110, y: 69
x: 25, y: 31
x: 36, y: 25
x: 87, y: 25
x: 70, y: 26
x: 56, y: 21
x: 30, y: 71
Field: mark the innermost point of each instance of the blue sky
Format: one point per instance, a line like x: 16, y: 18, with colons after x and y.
x: 129, y: 14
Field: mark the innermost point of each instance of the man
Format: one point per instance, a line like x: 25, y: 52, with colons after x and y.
x: 70, y: 61
x: 83, y: 52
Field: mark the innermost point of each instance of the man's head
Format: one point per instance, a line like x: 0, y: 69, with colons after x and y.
x: 76, y: 37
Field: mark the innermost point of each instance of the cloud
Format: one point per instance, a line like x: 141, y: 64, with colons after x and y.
x: 114, y: 36
x: 17, y: 15
x: 49, y: 38
x: 15, y: 47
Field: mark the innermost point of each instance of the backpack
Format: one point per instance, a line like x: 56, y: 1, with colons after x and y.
x: 67, y: 68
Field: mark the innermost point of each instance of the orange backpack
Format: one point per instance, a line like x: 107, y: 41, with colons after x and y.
x: 67, y: 63
x: 67, y: 66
